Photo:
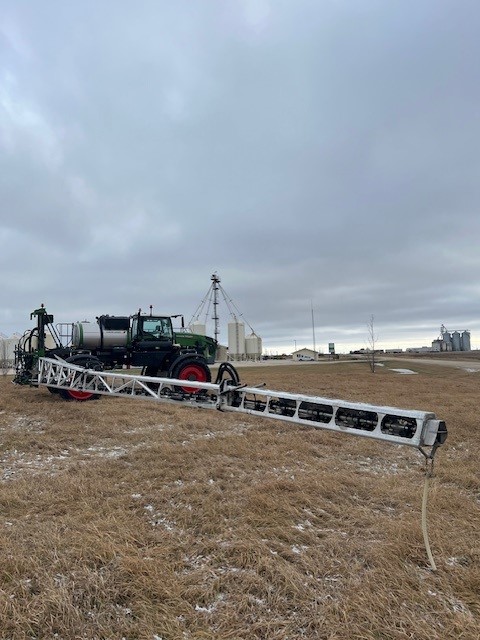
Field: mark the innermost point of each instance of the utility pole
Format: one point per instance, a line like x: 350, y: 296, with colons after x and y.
x: 313, y: 331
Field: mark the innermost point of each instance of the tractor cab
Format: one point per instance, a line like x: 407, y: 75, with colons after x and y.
x: 151, y: 340
x: 151, y: 329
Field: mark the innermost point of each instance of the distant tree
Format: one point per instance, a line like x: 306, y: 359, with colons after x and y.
x: 372, y: 341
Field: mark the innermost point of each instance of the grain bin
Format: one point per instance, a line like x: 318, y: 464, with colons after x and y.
x: 222, y: 353
x: 456, y: 341
x: 199, y: 328
x: 447, y: 339
x: 236, y: 340
x: 253, y: 346
x: 466, y: 341
x: 7, y: 351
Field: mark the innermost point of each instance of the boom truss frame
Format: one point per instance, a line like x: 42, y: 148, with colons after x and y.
x: 419, y: 429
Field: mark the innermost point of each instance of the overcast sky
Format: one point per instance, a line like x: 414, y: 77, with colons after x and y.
x: 311, y: 152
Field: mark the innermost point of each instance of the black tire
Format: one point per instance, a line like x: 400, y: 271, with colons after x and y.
x: 53, y: 390
x: 88, y: 362
x: 190, y: 369
x: 152, y: 372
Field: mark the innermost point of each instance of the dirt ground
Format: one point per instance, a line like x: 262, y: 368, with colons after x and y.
x: 121, y: 518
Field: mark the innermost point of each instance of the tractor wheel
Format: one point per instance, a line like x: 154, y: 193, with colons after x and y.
x: 88, y: 362
x: 191, y: 370
x: 152, y: 372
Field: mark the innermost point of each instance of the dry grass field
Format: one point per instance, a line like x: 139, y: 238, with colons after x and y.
x: 123, y: 519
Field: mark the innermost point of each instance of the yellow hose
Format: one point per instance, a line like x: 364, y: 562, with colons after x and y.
x: 424, y: 522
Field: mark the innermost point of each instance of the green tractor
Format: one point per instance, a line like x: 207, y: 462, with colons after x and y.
x: 204, y: 345
x: 140, y: 340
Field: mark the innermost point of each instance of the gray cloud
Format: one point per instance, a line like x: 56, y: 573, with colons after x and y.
x: 311, y: 153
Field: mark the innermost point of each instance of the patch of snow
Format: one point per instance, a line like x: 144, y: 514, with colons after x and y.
x: 336, y: 578
x: 205, y: 609
x: 340, y: 533
x: 459, y: 607
x: 407, y: 372
x: 195, y: 562
x: 164, y: 522
x: 211, y: 607
x: 299, y: 548
x: 456, y: 562
x: 17, y: 462
x: 468, y: 370
x: 105, y: 452
x: 125, y: 610
x: 301, y: 526
x: 223, y: 570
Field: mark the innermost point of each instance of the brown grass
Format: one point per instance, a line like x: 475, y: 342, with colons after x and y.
x: 125, y: 519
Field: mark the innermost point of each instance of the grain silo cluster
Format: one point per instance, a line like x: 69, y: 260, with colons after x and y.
x: 7, y: 351
x: 240, y: 347
x: 458, y: 340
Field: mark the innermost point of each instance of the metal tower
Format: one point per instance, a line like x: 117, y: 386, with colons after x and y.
x: 215, y: 287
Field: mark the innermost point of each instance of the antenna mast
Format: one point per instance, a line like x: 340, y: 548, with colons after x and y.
x: 313, y: 332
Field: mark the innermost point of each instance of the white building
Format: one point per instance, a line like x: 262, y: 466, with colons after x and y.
x: 305, y: 355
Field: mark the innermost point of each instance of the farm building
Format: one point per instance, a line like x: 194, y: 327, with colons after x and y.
x: 305, y: 354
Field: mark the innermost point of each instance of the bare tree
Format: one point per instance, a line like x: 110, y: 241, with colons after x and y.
x: 372, y: 341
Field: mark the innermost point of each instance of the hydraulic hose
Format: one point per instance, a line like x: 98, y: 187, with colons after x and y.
x: 428, y: 475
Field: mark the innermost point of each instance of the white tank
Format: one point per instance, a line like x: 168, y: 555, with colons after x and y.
x: 49, y: 342
x: 199, y: 328
x: 253, y: 345
x: 7, y: 350
x: 87, y: 335
x: 236, y: 339
x: 222, y: 353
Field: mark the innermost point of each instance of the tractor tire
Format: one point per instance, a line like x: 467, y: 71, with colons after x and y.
x: 191, y: 369
x: 53, y: 390
x: 89, y: 362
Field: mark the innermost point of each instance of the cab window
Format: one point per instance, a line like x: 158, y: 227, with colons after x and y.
x: 158, y: 328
